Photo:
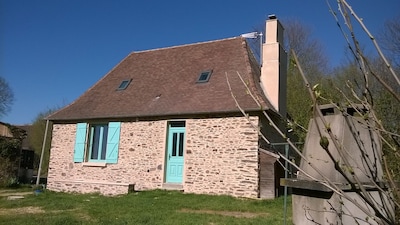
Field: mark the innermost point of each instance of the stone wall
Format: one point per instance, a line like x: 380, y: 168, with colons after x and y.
x: 221, y: 157
x: 140, y: 161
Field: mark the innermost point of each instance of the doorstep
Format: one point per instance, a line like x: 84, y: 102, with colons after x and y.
x: 172, y: 186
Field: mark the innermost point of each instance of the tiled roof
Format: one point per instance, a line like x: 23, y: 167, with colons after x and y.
x: 164, y: 84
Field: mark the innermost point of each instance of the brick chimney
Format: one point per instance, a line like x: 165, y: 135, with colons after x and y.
x: 274, y: 65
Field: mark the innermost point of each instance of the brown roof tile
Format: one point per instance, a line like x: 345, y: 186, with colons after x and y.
x: 164, y: 83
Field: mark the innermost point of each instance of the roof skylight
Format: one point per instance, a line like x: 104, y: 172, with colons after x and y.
x: 124, y: 84
x: 204, y: 76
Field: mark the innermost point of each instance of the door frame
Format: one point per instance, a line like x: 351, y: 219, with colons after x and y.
x: 178, y: 125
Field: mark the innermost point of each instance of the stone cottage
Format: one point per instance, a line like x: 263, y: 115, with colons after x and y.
x: 167, y: 119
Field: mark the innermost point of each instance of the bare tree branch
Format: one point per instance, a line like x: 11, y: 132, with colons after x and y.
x: 344, y: 2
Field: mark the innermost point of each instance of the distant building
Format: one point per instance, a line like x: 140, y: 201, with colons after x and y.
x: 23, y: 159
x: 5, y: 130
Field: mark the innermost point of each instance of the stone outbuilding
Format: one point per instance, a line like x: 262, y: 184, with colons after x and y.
x: 171, y: 118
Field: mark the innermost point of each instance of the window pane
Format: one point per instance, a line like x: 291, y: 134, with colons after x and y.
x: 95, y: 141
x: 98, y: 140
x: 104, y: 142
x: 203, y: 76
x: 177, y: 124
x: 174, y: 137
x: 124, y: 84
x: 181, y: 138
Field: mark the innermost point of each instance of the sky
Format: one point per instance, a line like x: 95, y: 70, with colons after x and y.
x: 52, y: 51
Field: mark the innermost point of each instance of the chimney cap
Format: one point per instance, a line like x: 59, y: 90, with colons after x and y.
x: 271, y: 16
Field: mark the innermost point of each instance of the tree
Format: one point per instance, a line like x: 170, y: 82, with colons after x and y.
x: 360, y: 97
x: 6, y: 97
x: 36, y: 138
x: 298, y: 37
x: 388, y: 107
x: 385, y: 105
x: 390, y: 39
x: 10, y: 149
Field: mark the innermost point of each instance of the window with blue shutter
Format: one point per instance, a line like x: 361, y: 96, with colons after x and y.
x: 114, y: 129
x: 98, y: 142
x: 80, y: 142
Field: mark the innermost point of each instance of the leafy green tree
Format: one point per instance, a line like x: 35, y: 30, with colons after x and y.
x: 383, y: 103
x: 36, y: 138
x: 314, y: 63
x: 10, y: 149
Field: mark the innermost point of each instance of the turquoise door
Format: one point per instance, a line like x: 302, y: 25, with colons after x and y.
x: 174, y: 157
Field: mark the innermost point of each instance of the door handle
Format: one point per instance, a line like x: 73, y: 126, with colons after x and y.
x: 169, y: 156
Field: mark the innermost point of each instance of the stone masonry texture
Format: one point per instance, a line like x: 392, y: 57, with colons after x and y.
x: 220, y: 157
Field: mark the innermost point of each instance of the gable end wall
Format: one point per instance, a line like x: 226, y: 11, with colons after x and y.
x: 222, y: 157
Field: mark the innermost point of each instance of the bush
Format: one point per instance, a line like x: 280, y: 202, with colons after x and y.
x: 12, y: 182
x: 7, y: 172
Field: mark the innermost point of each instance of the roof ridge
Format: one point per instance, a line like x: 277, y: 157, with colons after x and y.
x: 185, y: 45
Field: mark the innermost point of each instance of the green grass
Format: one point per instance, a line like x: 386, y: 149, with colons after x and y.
x: 149, y: 207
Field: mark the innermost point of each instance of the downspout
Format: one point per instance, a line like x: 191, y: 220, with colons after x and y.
x: 41, y: 155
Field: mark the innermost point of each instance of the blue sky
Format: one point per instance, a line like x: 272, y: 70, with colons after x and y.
x: 51, y: 51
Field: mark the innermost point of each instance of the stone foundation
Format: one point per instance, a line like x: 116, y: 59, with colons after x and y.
x: 74, y: 186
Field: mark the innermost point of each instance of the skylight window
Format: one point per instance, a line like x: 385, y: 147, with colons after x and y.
x: 204, y: 76
x: 124, y: 84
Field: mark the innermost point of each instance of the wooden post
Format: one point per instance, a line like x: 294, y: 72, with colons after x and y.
x: 41, y: 155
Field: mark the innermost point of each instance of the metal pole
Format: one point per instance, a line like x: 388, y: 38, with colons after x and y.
x: 41, y: 155
x: 285, y: 187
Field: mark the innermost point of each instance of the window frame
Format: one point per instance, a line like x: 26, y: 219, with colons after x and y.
x: 124, y: 84
x: 208, y: 75
x: 85, y: 141
x: 102, y: 138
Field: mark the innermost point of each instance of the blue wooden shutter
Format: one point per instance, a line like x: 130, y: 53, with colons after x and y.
x: 80, y: 140
x: 114, y: 129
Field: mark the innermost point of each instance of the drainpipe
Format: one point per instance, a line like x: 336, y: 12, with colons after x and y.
x: 41, y: 155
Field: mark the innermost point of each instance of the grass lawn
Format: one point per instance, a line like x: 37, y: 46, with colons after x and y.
x: 149, y: 207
